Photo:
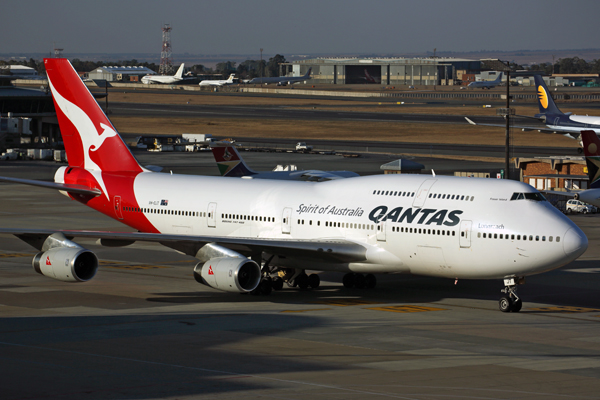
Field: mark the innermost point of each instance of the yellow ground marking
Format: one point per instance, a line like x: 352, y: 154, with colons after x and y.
x: 564, y: 309
x: 406, y: 309
x: 310, y: 309
x: 346, y: 302
x: 14, y: 255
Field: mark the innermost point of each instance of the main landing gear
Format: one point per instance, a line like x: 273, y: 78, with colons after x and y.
x: 510, y: 302
x: 359, y: 281
x: 274, y: 278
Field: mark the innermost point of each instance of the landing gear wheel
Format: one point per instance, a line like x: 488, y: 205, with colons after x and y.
x: 277, y: 283
x: 348, y: 280
x: 370, y: 281
x: 505, y: 304
x: 314, y: 281
x: 265, y: 287
x: 516, y: 307
x: 359, y: 281
x: 302, y: 281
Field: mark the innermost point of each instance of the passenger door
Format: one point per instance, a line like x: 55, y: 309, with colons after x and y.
x: 465, y: 234
x: 286, y: 221
x: 212, y: 215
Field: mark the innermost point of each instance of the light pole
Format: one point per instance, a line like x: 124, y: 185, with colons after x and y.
x: 261, y: 66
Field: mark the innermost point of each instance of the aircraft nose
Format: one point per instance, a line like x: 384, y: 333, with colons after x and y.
x: 575, y: 243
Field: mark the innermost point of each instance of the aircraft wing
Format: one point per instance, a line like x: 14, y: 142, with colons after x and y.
x: 318, y: 176
x: 335, y: 250
x: 527, y: 128
x: 70, y: 188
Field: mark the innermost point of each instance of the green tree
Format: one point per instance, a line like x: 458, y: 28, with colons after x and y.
x: 225, y: 68
x: 273, y: 65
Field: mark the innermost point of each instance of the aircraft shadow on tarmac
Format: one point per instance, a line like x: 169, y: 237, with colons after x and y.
x: 560, y: 288
x: 150, y: 356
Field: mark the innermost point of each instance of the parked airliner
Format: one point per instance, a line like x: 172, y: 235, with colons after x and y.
x: 555, y: 120
x: 254, y: 234
x: 231, y: 164
x: 218, y: 82
x: 283, y: 80
x: 486, y: 84
x: 166, y: 79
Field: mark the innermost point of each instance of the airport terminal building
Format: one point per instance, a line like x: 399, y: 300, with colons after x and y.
x: 386, y: 71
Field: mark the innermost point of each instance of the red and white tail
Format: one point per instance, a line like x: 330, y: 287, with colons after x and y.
x: 90, y: 139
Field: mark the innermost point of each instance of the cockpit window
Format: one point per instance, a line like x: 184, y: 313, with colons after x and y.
x: 535, y: 196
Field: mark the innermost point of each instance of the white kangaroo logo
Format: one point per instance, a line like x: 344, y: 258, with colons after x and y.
x: 87, y: 132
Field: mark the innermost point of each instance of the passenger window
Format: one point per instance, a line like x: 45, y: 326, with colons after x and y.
x: 501, y: 236
x: 550, y: 239
x: 530, y: 238
x: 462, y: 197
x: 543, y: 238
x: 478, y: 234
x: 557, y: 239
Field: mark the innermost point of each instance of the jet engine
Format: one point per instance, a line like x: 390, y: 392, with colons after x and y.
x: 65, y: 260
x: 66, y: 264
x: 230, y: 274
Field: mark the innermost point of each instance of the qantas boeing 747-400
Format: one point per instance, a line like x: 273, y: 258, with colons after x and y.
x: 256, y: 234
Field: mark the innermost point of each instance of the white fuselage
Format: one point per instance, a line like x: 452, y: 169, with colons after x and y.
x: 160, y: 79
x: 580, y: 123
x: 438, y: 226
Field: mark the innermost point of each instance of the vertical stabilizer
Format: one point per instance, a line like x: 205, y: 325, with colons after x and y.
x: 545, y: 101
x: 179, y: 73
x: 90, y: 139
x: 591, y: 149
x: 230, y: 162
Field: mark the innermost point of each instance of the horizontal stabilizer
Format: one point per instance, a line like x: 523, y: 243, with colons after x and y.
x: 69, y: 188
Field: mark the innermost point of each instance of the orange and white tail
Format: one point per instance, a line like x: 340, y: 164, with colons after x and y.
x: 90, y: 139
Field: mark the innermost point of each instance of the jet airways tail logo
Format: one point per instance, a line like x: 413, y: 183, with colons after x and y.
x: 543, y: 96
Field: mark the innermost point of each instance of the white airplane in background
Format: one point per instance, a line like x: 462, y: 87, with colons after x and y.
x: 249, y: 233
x: 486, y: 84
x: 218, y: 82
x: 166, y: 79
x: 282, y: 80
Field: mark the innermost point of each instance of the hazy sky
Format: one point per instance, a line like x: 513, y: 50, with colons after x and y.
x: 298, y: 27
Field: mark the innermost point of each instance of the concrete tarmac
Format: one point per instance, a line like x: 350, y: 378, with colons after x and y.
x: 143, y: 328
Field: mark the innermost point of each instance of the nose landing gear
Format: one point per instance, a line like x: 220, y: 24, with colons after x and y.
x: 511, y: 302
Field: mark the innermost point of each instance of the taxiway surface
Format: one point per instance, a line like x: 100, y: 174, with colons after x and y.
x: 144, y: 329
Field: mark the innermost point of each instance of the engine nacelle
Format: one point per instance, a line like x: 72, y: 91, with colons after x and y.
x: 230, y: 274
x: 67, y: 264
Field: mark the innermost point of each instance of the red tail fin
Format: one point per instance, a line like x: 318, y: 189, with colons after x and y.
x: 90, y: 139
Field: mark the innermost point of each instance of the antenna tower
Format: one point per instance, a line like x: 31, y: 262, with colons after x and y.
x: 166, y: 60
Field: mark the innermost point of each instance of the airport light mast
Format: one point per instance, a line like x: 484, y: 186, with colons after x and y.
x: 505, y: 112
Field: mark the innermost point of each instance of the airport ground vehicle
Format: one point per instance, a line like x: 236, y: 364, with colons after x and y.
x: 578, y: 206
x: 302, y: 146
